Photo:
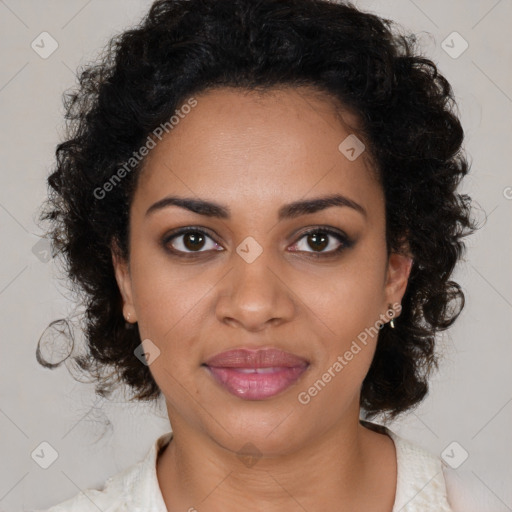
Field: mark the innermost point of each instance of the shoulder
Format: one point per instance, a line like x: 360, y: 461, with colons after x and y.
x: 423, y: 483
x: 136, y: 488
x: 423, y: 479
x: 113, y: 497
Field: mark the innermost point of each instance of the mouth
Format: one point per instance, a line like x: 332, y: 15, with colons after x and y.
x: 256, y: 374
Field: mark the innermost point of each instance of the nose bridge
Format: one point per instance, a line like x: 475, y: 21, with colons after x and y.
x: 254, y: 294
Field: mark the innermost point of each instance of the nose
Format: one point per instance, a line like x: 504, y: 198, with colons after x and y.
x: 255, y: 295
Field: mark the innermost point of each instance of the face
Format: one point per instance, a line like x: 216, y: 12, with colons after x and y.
x: 255, y: 273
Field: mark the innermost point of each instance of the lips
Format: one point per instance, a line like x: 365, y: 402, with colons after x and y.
x: 256, y: 374
x: 263, y: 358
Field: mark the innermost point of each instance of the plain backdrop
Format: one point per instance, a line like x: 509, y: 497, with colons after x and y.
x: 470, y: 402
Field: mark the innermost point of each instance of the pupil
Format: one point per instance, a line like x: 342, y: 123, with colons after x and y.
x: 196, y: 238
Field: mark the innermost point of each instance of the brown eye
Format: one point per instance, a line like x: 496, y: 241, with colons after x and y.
x: 193, y: 241
x: 320, y: 239
x: 188, y: 240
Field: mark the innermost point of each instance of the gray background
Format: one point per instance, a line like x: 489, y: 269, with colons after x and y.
x: 471, y: 395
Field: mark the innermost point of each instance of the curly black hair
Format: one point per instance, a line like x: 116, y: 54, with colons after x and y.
x: 183, y: 47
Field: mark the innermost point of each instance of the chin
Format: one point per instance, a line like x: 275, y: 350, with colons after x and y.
x: 271, y: 428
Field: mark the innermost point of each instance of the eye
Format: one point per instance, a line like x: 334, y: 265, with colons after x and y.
x: 190, y: 240
x: 322, y: 238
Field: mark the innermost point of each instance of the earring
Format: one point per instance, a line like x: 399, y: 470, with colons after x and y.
x: 128, y: 317
x: 391, y: 313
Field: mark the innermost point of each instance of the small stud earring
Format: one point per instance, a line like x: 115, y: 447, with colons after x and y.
x: 128, y: 317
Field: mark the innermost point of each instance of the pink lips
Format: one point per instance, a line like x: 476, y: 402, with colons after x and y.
x: 256, y: 374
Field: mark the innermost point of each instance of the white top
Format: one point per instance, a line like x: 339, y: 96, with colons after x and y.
x: 421, y: 484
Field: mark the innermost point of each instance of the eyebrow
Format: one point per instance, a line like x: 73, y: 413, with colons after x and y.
x: 288, y: 211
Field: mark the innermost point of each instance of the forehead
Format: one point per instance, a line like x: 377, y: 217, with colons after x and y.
x: 250, y: 144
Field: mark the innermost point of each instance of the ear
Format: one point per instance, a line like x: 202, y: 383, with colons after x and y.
x: 397, y: 276
x: 124, y: 282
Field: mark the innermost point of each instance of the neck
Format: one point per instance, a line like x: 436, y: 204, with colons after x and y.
x: 342, y: 466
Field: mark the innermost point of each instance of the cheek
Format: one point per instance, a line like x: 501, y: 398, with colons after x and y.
x: 351, y: 298
x: 350, y: 312
x: 165, y: 296
x: 335, y: 388
x: 346, y: 311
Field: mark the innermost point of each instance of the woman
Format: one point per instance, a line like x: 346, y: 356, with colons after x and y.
x: 259, y: 201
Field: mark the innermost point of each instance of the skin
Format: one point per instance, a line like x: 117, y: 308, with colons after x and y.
x: 255, y: 153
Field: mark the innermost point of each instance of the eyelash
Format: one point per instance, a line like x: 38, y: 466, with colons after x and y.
x: 345, y: 242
